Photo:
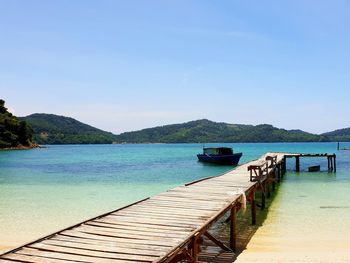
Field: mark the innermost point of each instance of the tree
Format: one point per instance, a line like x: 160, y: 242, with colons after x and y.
x: 13, y: 132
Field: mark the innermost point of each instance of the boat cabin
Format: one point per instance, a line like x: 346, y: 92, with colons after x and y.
x: 218, y: 151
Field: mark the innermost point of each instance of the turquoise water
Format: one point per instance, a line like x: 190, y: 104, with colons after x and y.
x: 43, y: 190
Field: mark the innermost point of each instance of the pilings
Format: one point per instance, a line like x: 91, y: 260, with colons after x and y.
x: 297, y: 164
x: 331, y: 161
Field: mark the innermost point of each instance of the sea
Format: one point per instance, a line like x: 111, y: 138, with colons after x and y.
x: 46, y: 189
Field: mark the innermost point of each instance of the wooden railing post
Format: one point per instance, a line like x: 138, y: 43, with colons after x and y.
x: 233, y: 218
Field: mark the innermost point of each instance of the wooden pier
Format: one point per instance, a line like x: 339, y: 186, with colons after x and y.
x: 168, y: 227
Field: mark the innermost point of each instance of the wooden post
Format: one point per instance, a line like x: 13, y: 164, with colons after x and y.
x: 268, y: 187
x: 329, y: 166
x: 279, y: 173
x: 284, y: 166
x: 331, y: 163
x: 274, y: 178
x: 233, y: 218
x: 263, y: 197
x: 253, y: 207
x: 195, y: 249
x: 335, y: 163
x: 297, y: 163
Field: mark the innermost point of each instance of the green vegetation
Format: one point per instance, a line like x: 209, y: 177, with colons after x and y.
x: 208, y: 131
x: 13, y: 132
x: 342, y: 135
x: 54, y: 129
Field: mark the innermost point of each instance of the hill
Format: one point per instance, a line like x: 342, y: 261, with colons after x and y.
x: 209, y: 131
x: 13, y: 131
x: 54, y: 129
x: 341, y: 135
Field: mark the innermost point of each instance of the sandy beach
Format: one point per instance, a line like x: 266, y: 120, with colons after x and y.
x: 302, y: 230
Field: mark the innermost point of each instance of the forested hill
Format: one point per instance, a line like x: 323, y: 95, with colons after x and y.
x: 13, y: 132
x: 208, y: 131
x: 54, y: 129
x: 341, y: 135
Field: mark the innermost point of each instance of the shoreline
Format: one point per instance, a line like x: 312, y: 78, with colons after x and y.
x: 21, y: 147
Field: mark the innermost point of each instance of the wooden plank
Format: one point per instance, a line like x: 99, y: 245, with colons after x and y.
x: 143, y: 224
x: 111, y: 244
x: 118, y: 234
x: 174, y: 207
x: 157, y: 218
x: 35, y: 259
x: 137, y: 228
x: 66, y: 256
x: 103, y: 248
x: 184, y: 206
x: 165, y: 214
x: 200, y: 204
x: 153, y: 221
x: 92, y: 253
x: 195, y: 197
x: 132, y: 232
x: 176, y: 212
x: 117, y: 239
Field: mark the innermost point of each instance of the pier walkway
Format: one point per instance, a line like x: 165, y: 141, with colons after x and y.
x: 168, y: 227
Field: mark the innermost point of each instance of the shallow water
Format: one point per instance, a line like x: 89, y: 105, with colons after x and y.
x: 43, y: 190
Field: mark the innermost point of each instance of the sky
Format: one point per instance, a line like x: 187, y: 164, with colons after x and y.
x: 127, y: 65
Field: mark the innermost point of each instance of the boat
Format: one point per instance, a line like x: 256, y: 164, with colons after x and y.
x: 219, y: 155
x: 315, y: 168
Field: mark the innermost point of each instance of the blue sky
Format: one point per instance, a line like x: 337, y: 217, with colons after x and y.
x: 127, y: 65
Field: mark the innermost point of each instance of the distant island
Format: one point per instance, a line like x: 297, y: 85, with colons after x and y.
x: 54, y: 129
x: 42, y: 128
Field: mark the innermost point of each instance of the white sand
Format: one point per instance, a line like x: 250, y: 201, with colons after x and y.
x: 301, y: 231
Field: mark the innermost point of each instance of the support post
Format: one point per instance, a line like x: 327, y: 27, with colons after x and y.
x: 195, y: 249
x: 263, y: 197
x: 335, y: 163
x: 233, y: 218
x: 297, y: 164
x: 284, y: 166
x: 332, y: 163
x: 253, y: 207
x: 329, y: 164
x: 279, y: 173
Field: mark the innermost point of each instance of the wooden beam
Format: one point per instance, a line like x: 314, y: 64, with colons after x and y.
x: 233, y: 233
x: 217, y: 242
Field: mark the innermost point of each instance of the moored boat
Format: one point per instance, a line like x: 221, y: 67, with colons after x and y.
x: 219, y: 155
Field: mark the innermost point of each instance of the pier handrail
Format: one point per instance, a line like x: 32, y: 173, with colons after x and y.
x: 258, y: 170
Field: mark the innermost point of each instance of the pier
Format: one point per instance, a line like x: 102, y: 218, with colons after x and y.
x: 168, y: 227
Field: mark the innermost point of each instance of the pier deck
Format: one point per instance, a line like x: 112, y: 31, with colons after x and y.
x: 168, y: 227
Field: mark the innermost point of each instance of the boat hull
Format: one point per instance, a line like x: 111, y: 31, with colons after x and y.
x: 231, y: 159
